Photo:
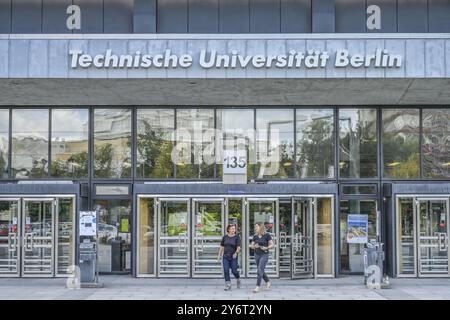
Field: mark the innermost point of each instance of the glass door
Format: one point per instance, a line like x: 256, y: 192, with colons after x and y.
x: 433, y: 232
x: 208, y: 229
x: 9, y: 237
x: 302, y: 254
x: 174, y: 240
x: 38, y: 241
x: 264, y: 211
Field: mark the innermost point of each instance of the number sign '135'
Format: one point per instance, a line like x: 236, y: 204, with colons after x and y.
x: 234, y: 162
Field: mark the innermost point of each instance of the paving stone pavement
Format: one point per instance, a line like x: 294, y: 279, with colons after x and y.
x: 127, y: 287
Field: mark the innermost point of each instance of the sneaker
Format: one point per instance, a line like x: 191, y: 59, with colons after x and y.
x: 227, y: 287
x: 238, y: 281
x: 268, y: 285
x: 256, y: 290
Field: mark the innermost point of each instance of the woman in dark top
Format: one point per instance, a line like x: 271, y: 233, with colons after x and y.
x: 262, y: 242
x: 229, y: 250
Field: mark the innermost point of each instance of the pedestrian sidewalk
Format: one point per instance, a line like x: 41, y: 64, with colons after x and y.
x: 127, y: 287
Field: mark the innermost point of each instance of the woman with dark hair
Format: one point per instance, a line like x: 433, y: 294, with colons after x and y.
x: 262, y: 242
x: 228, y: 252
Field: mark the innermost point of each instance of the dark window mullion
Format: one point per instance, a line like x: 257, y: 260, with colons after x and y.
x: 421, y: 175
x: 10, y: 143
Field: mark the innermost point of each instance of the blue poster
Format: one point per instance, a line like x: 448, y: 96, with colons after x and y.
x: 357, y: 228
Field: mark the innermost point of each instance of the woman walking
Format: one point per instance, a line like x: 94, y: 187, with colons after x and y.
x: 262, y: 242
x: 228, y: 252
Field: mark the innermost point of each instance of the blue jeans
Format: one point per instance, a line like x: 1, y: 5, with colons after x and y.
x: 261, y: 261
x: 230, y: 264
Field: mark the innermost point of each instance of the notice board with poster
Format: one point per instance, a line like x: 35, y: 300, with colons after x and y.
x: 357, y: 228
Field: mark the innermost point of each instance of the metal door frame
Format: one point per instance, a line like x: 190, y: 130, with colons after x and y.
x: 155, y: 236
x: 418, y: 199
x: 270, y: 198
x: 311, y: 224
x: 192, y: 232
x: 243, y: 254
x: 73, y: 245
x: 53, y: 205
x: 158, y: 204
x: 18, y: 240
x: 398, y: 240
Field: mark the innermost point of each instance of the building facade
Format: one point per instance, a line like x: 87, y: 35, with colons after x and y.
x: 327, y: 120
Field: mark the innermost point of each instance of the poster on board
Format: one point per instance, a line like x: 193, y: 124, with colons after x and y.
x: 357, y: 228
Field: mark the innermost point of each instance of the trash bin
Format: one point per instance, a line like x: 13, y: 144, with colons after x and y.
x: 116, y: 255
x: 373, y: 264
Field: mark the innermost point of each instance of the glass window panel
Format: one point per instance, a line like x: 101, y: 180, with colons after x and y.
x: 324, y: 236
x: 146, y: 236
x: 238, y: 133
x: 70, y: 143
x: 66, y: 254
x: 406, y: 250
x: 30, y: 143
x: 315, y: 143
x: 154, y: 143
x: 112, y: 143
x: 359, y: 190
x: 358, y: 143
x: 436, y: 143
x: 4, y: 142
x: 114, y: 228
x: 401, y: 156
x: 275, y: 143
x: 352, y: 254
x: 195, y: 149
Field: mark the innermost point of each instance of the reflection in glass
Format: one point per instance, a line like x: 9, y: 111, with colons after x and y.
x: 275, y: 143
x: 358, y: 143
x: 66, y: 254
x: 406, y: 233
x: 146, y: 239
x: 235, y: 218
x: 195, y: 143
x: 112, y: 143
x: 4, y: 142
x: 436, y: 143
x: 29, y: 143
x: 263, y: 212
x: 237, y: 127
x: 324, y: 235
x: 114, y: 226
x: 174, y: 238
x: 401, y: 156
x: 9, y: 229
x: 154, y: 143
x: 352, y: 253
x: 70, y: 143
x: 315, y: 143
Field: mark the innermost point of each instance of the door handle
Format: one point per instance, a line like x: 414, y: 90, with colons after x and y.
x: 199, y: 239
x: 283, y: 240
x: 28, y: 239
x: 442, y: 241
x: 12, y: 242
x: 182, y: 248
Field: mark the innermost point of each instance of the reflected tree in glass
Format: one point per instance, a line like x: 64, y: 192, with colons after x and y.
x: 154, y: 143
x: 315, y: 143
x: 436, y: 143
x: 4, y: 142
x: 358, y: 143
x: 401, y: 154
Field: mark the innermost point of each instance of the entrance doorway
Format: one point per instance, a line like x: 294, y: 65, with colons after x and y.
x: 37, y: 236
x: 180, y: 236
x: 422, y: 241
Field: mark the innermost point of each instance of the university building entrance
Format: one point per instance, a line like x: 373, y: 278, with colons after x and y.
x: 180, y: 236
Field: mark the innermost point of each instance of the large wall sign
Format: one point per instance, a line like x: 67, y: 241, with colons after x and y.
x: 207, y: 59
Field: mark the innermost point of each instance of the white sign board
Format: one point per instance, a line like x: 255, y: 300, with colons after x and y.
x: 234, y: 162
x: 88, y: 223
